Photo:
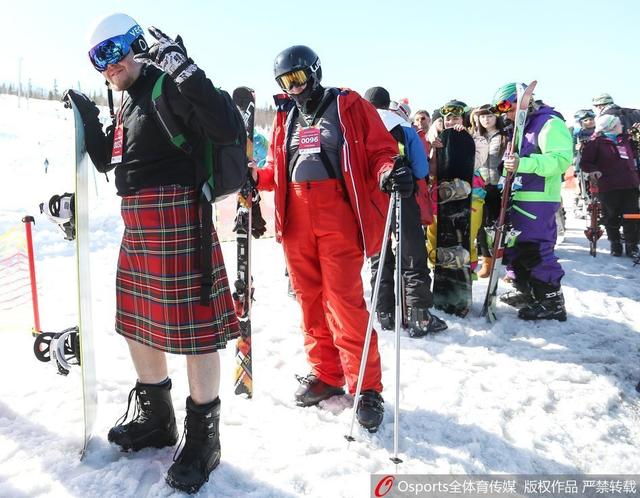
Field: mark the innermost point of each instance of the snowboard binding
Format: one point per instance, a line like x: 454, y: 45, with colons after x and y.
x: 62, y: 347
x: 453, y: 190
x: 452, y: 257
x: 61, y: 210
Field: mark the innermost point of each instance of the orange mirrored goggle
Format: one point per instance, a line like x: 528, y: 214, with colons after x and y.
x: 504, y: 106
x: 294, y: 78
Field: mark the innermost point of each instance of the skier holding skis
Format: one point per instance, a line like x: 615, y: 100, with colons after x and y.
x: 330, y: 163
x: 585, y: 119
x: 159, y: 279
x: 545, y: 154
x: 415, y: 272
x: 609, y: 156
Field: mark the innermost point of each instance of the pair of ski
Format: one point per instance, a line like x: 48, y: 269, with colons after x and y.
x: 502, y: 231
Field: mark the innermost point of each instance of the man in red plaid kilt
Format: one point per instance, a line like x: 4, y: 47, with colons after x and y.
x: 159, y: 276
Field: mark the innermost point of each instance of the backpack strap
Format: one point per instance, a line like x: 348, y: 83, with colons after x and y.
x: 176, y: 135
x: 166, y: 119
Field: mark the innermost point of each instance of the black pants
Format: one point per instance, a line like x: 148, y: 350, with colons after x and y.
x: 490, y: 214
x: 615, y: 203
x: 415, y: 272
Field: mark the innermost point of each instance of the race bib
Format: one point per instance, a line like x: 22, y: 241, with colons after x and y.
x: 116, y: 151
x: 622, y: 152
x: 309, y: 141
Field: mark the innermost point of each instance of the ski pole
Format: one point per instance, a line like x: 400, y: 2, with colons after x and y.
x: 27, y: 220
x: 374, y: 304
x: 398, y: 324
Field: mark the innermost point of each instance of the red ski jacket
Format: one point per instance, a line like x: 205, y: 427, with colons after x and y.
x: 368, y: 150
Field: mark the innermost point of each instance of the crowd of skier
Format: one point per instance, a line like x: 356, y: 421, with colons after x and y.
x: 335, y: 161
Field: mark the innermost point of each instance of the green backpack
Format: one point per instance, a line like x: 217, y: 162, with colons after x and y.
x: 222, y: 170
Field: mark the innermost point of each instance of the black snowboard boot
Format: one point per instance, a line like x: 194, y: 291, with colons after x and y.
x: 387, y: 320
x: 370, y: 410
x: 201, y: 451
x: 421, y: 323
x: 548, y: 305
x: 616, y: 248
x: 520, y: 297
x: 631, y: 250
x: 153, y: 424
x: 312, y: 390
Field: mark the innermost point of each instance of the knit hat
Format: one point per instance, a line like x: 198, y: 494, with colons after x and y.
x: 602, y: 99
x: 378, y: 96
x: 607, y: 123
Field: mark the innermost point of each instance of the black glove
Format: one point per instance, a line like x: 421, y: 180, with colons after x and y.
x: 258, y: 225
x: 168, y: 55
x: 399, y: 179
x: 86, y: 107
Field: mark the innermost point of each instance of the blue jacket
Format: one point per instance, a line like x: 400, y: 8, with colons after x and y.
x: 413, y: 147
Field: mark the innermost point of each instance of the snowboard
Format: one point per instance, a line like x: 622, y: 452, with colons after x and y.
x: 85, y: 320
x: 244, y: 98
x: 452, y: 272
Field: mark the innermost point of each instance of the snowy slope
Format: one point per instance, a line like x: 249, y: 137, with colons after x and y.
x: 513, y: 398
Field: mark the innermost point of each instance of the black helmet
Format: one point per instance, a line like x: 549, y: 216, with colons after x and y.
x: 298, y: 58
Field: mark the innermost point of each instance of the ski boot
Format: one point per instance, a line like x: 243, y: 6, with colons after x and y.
x: 616, y: 248
x: 312, y: 390
x: 548, y: 305
x: 520, y: 297
x: 421, y: 323
x: 370, y: 410
x: 154, y: 422
x: 387, y: 320
x: 201, y: 451
x: 631, y: 250
x: 453, y: 190
x: 487, y: 265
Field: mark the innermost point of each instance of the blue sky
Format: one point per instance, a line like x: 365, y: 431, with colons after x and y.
x: 427, y: 51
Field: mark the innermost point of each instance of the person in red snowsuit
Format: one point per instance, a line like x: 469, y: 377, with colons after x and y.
x: 329, y: 161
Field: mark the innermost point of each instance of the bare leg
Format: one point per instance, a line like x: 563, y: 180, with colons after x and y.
x: 203, y: 371
x: 150, y: 364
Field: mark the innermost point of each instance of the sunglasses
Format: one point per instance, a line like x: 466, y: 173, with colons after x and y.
x: 504, y: 106
x: 456, y: 111
x: 294, y: 78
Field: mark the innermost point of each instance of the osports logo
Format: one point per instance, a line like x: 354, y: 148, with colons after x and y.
x: 384, y: 486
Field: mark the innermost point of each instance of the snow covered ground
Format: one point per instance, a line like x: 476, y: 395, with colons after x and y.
x: 515, y: 397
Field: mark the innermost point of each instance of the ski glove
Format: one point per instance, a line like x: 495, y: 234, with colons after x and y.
x: 169, y: 55
x: 399, y: 179
x: 258, y: 225
x: 87, y: 109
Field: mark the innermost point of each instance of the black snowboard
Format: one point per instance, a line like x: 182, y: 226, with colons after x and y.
x: 452, y: 286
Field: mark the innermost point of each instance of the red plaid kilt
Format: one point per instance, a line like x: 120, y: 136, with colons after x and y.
x: 158, y: 277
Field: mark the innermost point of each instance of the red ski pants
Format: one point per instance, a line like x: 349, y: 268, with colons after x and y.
x: 321, y: 241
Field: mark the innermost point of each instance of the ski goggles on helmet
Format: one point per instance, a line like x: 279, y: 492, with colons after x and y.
x: 295, y: 78
x: 452, y: 109
x: 585, y: 115
x: 116, y: 48
x: 504, y: 106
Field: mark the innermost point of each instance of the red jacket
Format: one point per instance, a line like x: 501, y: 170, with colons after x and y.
x: 368, y: 151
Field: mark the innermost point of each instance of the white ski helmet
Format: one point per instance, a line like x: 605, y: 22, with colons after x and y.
x: 123, y: 31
